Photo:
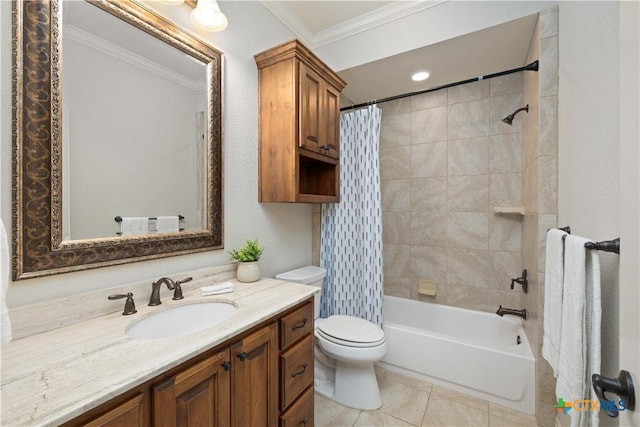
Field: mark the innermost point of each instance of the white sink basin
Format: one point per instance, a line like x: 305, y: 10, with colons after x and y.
x: 181, y: 320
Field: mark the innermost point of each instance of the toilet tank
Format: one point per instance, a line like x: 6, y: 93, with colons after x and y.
x: 309, y: 275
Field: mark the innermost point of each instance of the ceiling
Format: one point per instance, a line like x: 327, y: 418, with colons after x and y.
x: 487, y: 51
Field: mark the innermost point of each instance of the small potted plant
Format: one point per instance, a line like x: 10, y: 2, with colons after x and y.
x: 247, y: 257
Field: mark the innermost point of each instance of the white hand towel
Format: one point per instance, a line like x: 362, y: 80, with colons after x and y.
x: 222, y: 288
x: 580, y: 334
x: 168, y: 224
x: 4, y: 278
x: 553, y: 284
x: 132, y: 225
x: 593, y: 324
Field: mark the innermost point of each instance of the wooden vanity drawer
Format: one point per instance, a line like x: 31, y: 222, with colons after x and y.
x: 296, y: 366
x: 300, y: 414
x: 296, y: 325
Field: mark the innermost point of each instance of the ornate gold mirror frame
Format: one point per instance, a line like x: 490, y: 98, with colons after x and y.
x: 38, y: 248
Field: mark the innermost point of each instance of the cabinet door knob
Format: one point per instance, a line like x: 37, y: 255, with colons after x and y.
x: 300, y: 372
x: 242, y: 356
x: 304, y: 421
x: 226, y: 365
x: 299, y: 325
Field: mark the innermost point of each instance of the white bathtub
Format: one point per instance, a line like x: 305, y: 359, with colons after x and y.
x: 469, y: 351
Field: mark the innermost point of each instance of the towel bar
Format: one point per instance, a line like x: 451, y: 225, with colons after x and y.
x: 606, y: 246
x: 152, y: 218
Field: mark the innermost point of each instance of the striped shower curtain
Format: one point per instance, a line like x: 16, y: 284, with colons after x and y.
x: 351, y: 236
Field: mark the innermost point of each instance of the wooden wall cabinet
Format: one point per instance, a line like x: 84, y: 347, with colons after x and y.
x: 299, y: 112
x: 261, y: 378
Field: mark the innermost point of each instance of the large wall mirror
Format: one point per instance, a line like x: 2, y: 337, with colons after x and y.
x: 116, y: 114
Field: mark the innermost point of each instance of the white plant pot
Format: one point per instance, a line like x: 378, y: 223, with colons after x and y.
x: 248, y: 271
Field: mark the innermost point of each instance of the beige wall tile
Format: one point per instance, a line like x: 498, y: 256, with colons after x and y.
x: 468, y: 119
x: 545, y: 222
x: 468, y: 156
x: 429, y: 100
x: 507, y: 299
x: 398, y: 106
x: 505, y: 189
x: 501, y: 107
x: 468, y: 193
x: 429, y: 194
x: 429, y: 160
x: 396, y: 260
x: 468, y: 230
x: 505, y: 232
x: 548, y: 187
x: 429, y: 125
x: 428, y: 263
x: 395, y: 163
x: 548, y: 21
x: 505, y: 85
x: 470, y: 297
x: 530, y: 187
x: 504, y: 267
x: 429, y: 228
x: 549, y: 66
x: 395, y: 194
x: 399, y: 287
x: 505, y: 153
x: 396, y: 227
x: 395, y: 130
x: 469, y: 92
x: 549, y: 125
x: 468, y: 267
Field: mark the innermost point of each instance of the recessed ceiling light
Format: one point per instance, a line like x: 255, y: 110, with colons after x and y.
x: 420, y: 76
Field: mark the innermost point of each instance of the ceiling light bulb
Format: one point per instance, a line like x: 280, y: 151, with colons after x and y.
x: 420, y: 76
x: 208, y: 17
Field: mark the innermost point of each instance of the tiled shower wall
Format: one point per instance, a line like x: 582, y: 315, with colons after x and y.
x: 446, y: 159
x: 539, y: 193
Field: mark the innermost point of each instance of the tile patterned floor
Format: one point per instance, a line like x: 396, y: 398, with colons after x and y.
x: 410, y: 402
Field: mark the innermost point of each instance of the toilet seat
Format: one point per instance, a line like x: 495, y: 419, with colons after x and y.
x: 350, y: 331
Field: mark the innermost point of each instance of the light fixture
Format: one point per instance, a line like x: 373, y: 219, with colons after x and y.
x: 420, y: 76
x: 208, y: 17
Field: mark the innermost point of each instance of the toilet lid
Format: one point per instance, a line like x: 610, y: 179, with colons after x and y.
x: 350, y: 331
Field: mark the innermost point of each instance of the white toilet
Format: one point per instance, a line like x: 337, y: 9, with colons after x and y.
x: 346, y: 349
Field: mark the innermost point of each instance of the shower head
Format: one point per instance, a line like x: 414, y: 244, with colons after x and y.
x: 509, y: 119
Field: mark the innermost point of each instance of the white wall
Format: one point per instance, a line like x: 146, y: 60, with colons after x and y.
x: 284, y: 229
x: 588, y: 143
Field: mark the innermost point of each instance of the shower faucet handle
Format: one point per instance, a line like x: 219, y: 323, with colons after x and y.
x: 522, y: 280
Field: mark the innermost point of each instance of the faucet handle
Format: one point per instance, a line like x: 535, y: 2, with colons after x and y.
x: 177, y: 293
x: 129, y: 305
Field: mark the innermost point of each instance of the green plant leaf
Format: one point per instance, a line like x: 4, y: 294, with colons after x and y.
x: 250, y: 252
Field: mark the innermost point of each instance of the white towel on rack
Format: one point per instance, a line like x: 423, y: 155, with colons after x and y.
x: 168, y: 224
x: 4, y: 278
x: 580, y: 341
x: 134, y: 225
x: 553, y: 285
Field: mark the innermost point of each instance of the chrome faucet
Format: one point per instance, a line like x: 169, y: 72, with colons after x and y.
x: 155, y: 289
x: 522, y: 313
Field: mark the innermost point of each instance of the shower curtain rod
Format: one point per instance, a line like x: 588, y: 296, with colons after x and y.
x: 531, y: 67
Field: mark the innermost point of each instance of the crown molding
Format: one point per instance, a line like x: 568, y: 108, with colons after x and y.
x: 71, y: 32
x: 375, y: 18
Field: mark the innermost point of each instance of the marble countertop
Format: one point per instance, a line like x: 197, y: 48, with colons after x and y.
x: 53, y: 377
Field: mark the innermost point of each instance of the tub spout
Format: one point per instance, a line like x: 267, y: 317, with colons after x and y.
x: 522, y: 313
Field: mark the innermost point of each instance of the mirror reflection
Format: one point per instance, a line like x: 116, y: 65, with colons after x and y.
x: 133, y: 128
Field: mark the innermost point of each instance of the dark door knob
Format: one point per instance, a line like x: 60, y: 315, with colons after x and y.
x: 621, y: 386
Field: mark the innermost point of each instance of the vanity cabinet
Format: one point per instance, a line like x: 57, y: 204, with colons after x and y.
x: 196, y: 396
x: 258, y: 378
x: 296, y: 367
x: 299, y: 111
